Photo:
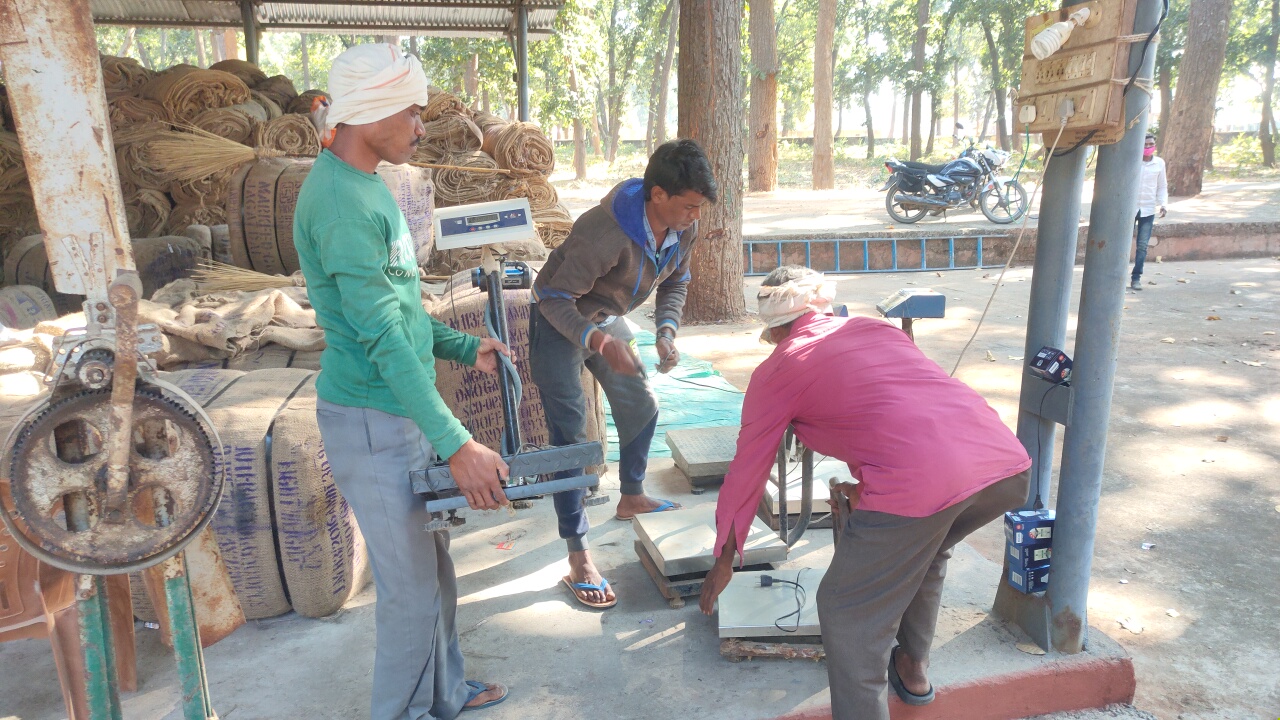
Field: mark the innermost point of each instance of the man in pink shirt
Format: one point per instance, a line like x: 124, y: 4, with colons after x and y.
x: 933, y: 460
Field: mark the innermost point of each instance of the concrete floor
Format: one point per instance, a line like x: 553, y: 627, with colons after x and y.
x: 1211, y: 506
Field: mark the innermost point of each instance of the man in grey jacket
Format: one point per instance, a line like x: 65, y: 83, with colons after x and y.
x: 637, y: 240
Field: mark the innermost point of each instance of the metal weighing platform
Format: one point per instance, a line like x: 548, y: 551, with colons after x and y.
x: 676, y: 549
x: 703, y: 454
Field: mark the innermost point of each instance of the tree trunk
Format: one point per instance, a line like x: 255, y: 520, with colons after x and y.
x: 215, y: 47
x: 839, y: 122
x: 955, y: 96
x: 484, y: 100
x: 1190, y: 133
x: 986, y: 118
x: 596, y: 135
x: 710, y: 101
x: 893, y: 115
x: 230, y: 44
x: 762, y: 128
x: 128, y: 42
x: 906, y: 119
x: 933, y: 122
x: 1266, y: 128
x: 471, y: 79
x: 306, y: 63
x: 824, y: 168
x: 1166, y: 104
x: 917, y: 67
x: 871, y: 132
x: 579, y: 132
x: 664, y: 89
x: 993, y: 59
x: 655, y: 84
x: 1002, y: 119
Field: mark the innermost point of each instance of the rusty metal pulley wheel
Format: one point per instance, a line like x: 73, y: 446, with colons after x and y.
x: 53, y: 493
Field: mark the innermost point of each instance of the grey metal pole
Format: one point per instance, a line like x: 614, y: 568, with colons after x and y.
x: 522, y: 60
x: 250, y: 31
x: 1115, y: 202
x: 1058, y: 230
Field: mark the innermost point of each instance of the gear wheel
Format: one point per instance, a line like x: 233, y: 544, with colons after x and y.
x: 53, y: 499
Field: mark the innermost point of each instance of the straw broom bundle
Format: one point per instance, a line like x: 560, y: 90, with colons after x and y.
x: 212, y: 276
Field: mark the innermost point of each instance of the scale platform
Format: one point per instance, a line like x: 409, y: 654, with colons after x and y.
x: 703, y: 454
x: 823, y: 471
x: 747, y: 610
x: 682, y: 541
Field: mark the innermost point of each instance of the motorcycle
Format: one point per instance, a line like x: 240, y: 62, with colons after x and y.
x: 916, y: 189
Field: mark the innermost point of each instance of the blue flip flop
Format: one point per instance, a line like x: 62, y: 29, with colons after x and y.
x: 665, y: 506
x: 476, y: 689
x: 602, y: 588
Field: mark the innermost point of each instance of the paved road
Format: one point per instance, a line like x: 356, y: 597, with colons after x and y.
x: 796, y: 211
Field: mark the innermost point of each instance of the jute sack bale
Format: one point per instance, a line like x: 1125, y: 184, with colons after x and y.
x: 243, y: 69
x: 288, y: 185
x: 203, y: 386
x: 474, y: 397
x: 27, y: 264
x: 266, y: 357
x: 162, y: 260
x: 23, y: 307
x: 243, y: 415
x: 258, y: 198
x: 414, y: 191
x: 220, y: 236
x: 306, y: 359
x: 203, y: 237
x: 323, y: 555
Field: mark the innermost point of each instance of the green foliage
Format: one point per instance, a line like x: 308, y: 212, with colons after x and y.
x: 1242, y: 153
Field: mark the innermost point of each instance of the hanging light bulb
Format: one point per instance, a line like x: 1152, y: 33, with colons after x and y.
x: 1053, y: 37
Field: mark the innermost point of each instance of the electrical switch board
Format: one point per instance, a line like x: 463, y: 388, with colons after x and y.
x: 1084, y: 79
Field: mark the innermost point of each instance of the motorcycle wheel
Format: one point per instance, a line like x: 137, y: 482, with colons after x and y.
x: 1003, y: 205
x: 900, y: 213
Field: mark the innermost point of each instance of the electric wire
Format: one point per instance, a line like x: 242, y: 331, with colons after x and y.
x: 802, y: 599
x: 1026, y: 218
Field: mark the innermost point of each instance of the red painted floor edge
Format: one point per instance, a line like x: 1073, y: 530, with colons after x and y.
x: 1055, y: 687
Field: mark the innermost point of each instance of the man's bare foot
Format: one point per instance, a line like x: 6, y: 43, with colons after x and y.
x: 493, y: 692
x: 582, y: 570
x: 631, y: 505
x: 914, y: 675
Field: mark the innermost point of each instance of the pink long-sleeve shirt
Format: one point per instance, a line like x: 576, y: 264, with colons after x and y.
x: 859, y: 390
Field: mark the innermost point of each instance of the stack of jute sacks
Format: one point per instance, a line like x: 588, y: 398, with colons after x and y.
x: 232, y: 99
x: 463, y: 138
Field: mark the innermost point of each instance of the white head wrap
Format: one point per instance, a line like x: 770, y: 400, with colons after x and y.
x: 372, y: 82
x: 780, y: 304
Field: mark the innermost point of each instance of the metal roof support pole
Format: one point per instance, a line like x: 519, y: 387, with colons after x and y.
x: 522, y: 60
x: 1115, y: 202
x: 252, y: 34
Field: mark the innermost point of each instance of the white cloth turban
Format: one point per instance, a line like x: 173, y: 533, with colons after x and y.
x: 368, y: 83
x: 780, y: 304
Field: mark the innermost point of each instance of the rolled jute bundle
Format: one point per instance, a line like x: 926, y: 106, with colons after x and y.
x: 522, y: 146
x: 134, y: 158
x: 253, y: 110
x: 22, y: 307
x: 268, y: 105
x: 220, y: 238
x: 251, y: 213
x: 542, y: 194
x: 243, y: 414
x: 441, y: 104
x: 17, y: 218
x: 209, y: 190
x: 195, y: 214
x: 127, y: 110
x: 322, y: 552
x: 13, y: 169
x: 267, y: 357
x: 122, y: 75
x: 453, y: 133
x: 491, y: 127
x: 187, y: 92
x: 28, y: 264
x: 147, y: 212
x: 554, y: 225
x: 279, y: 88
x: 230, y: 123
x: 243, y: 69
x: 459, y: 187
x: 430, y: 154
x: 291, y: 134
x: 303, y: 104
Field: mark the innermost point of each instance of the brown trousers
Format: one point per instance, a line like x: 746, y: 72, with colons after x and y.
x: 886, y: 580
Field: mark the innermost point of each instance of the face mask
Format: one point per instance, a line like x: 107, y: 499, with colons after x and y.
x: 1148, y: 153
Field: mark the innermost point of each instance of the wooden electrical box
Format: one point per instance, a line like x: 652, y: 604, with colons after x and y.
x: 1090, y: 69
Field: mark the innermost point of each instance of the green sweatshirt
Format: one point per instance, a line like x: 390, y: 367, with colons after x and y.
x: 358, y: 258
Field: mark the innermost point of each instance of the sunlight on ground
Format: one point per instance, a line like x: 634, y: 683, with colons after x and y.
x: 670, y: 632
x: 1203, y: 378
x: 1201, y: 414
x: 1150, y: 611
x: 537, y: 581
x: 1269, y: 409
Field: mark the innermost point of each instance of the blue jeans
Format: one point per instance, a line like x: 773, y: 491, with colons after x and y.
x: 1144, y: 239
x: 556, y: 365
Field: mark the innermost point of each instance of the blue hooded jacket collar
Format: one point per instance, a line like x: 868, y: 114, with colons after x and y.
x: 628, y: 210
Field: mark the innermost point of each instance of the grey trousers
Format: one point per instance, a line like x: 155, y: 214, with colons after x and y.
x: 885, y: 581
x: 418, y: 668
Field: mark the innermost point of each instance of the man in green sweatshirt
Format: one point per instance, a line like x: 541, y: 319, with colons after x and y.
x: 379, y: 413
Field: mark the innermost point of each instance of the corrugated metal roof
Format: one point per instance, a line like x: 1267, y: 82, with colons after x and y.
x: 470, y: 18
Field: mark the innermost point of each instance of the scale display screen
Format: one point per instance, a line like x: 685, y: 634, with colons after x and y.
x: 482, y: 219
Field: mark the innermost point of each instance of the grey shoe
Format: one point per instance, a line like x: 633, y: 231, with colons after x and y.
x: 1135, y: 284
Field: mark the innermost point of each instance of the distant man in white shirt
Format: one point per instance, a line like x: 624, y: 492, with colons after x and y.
x: 1153, y: 193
